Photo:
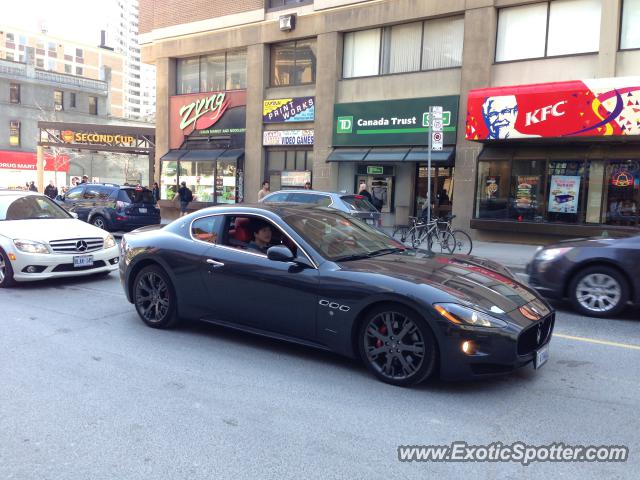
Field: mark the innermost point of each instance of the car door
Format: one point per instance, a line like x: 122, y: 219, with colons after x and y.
x: 246, y: 287
x: 72, y: 198
x: 88, y: 202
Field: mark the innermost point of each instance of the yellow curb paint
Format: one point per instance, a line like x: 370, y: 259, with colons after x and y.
x: 599, y: 342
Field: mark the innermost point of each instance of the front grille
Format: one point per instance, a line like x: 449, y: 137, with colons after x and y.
x: 528, y: 340
x: 77, y: 245
x: 68, y: 267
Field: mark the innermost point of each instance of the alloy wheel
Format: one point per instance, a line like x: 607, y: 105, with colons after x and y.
x: 3, y: 268
x: 152, y: 297
x: 394, y: 345
x: 99, y: 222
x: 598, y: 292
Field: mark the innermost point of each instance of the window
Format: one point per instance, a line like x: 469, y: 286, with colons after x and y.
x: 315, y: 198
x: 410, y: 47
x: 287, y: 3
x: 14, y: 133
x: 79, y: 71
x: 283, y: 163
x: 58, y: 97
x: 93, y: 105
x: 67, y: 68
x: 51, y: 65
x: 52, y: 47
x: 217, y: 72
x: 293, y: 63
x: 14, y: 92
x: 79, y: 53
x: 72, y: 100
x: 206, y: 229
x: 630, y: 34
x: 10, y: 37
x: 248, y: 233
x: 10, y: 56
x: 40, y: 62
x: 559, y: 27
x: 74, y: 194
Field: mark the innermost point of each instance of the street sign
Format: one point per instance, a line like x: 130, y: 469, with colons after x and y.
x: 436, y: 141
x: 437, y: 137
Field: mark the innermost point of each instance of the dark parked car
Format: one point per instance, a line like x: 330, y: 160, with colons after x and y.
x: 112, y: 207
x: 599, y: 275
x: 321, y: 278
x: 355, y: 205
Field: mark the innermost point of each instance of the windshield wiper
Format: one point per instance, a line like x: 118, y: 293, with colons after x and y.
x: 357, y: 256
x: 386, y: 251
x: 375, y: 253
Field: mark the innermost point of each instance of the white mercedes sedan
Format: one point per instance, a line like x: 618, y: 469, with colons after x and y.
x: 39, y: 240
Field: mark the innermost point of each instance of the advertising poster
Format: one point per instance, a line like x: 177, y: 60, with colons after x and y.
x: 527, y: 191
x: 563, y: 194
x: 491, y: 187
x: 301, y: 109
x: 295, y: 179
x: 287, y: 137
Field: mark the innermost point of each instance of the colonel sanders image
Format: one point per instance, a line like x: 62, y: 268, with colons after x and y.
x: 500, y: 114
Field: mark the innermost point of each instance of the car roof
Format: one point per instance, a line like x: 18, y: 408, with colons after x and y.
x: 310, y: 192
x: 281, y: 209
x: 7, y: 192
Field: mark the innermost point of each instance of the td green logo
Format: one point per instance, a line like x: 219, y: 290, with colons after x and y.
x: 345, y: 125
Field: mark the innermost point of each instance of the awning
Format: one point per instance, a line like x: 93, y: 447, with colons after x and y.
x: 202, y: 155
x: 377, y: 154
x: 173, y: 155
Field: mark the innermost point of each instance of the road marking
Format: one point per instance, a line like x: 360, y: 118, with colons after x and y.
x: 630, y: 346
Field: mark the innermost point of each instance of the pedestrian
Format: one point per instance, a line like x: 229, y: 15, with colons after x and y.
x: 264, y: 191
x: 307, y: 186
x: 156, y: 192
x: 51, y: 191
x: 364, y: 192
x: 32, y: 187
x: 186, y: 196
x: 85, y: 179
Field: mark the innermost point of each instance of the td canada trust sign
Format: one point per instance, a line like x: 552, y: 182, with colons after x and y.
x: 392, y: 122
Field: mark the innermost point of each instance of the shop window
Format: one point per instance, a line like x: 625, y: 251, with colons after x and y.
x: 410, y: 47
x: 169, y: 181
x: 565, y: 191
x: 492, y: 198
x: 441, y: 189
x: 14, y: 133
x: 58, y: 100
x: 621, y: 199
x: 199, y: 177
x: 93, y: 105
x: 526, y: 199
x: 226, y: 181
x: 293, y: 63
x: 288, y: 168
x: 560, y: 27
x: 630, y: 34
x: 14, y: 93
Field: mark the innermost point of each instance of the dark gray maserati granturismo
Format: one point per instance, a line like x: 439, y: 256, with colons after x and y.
x: 322, y: 278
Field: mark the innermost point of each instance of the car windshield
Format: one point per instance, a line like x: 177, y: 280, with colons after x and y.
x: 359, y: 203
x: 142, y: 195
x: 29, y: 207
x: 340, y: 237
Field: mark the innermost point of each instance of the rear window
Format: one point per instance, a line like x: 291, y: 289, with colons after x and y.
x: 359, y: 203
x: 131, y: 195
x: 314, y: 198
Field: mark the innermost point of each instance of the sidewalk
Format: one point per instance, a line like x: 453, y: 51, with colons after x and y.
x: 514, y: 256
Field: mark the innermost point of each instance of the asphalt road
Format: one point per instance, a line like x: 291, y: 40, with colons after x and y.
x: 88, y: 392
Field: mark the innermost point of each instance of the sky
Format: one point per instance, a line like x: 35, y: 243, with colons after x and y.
x: 75, y: 20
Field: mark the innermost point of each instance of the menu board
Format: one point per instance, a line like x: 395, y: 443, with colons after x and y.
x: 527, y: 191
x: 563, y: 193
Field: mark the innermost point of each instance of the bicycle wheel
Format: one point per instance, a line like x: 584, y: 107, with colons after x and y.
x: 419, y: 235
x: 464, y: 244
x: 441, y: 242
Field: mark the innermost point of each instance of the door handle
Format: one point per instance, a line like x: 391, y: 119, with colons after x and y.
x: 214, y: 263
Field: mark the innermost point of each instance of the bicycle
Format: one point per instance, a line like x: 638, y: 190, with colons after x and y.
x: 431, y: 232
x: 463, y: 242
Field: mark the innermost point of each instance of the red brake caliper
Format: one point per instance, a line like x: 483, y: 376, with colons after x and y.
x: 383, y: 331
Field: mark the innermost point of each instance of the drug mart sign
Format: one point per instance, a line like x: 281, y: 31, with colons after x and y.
x: 287, y: 137
x: 392, y: 122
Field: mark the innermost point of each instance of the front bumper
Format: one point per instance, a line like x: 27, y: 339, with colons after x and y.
x: 497, y: 351
x: 54, y: 265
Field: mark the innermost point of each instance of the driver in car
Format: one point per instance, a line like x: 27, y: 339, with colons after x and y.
x: 262, y: 233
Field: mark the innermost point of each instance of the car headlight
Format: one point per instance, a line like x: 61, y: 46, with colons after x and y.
x: 461, y: 315
x: 29, y: 246
x: 551, y: 253
x: 110, y: 241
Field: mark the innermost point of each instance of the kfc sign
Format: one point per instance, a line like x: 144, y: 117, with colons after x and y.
x: 589, y: 108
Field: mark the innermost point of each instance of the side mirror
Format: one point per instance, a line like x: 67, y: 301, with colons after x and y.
x: 74, y: 215
x: 280, y: 253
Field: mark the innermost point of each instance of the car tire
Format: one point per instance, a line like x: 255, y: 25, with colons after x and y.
x: 388, y: 355
x: 6, y: 271
x: 154, y: 298
x: 599, y: 291
x: 99, y: 221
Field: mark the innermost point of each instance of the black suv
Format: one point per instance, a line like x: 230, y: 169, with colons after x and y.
x: 112, y: 207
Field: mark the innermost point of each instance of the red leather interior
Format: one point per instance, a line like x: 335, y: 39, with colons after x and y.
x: 241, y: 232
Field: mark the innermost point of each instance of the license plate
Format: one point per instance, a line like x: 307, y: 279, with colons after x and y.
x: 370, y: 221
x: 541, y: 358
x: 142, y: 210
x: 83, y: 261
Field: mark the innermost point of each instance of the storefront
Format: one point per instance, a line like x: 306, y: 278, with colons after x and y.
x: 384, y: 145
x: 288, y: 153
x: 558, y: 158
x: 17, y: 169
x: 207, y: 139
